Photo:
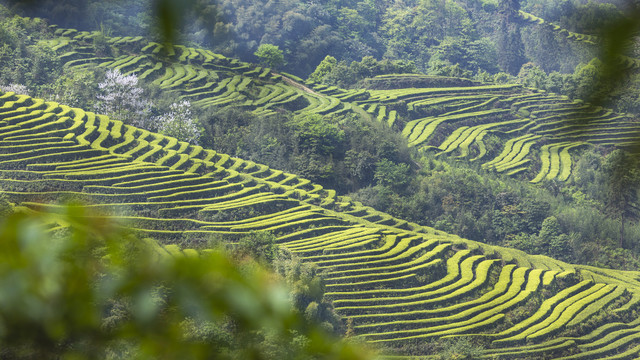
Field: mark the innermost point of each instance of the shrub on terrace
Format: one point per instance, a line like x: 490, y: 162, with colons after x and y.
x: 270, y: 55
x: 390, y: 174
x: 120, y: 98
x: 76, y: 87
x: 331, y: 72
x: 16, y: 88
x: 179, y: 122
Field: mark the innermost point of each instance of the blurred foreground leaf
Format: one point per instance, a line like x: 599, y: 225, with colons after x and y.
x: 88, y: 290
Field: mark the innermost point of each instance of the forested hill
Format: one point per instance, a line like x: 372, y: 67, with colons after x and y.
x: 453, y: 153
x: 394, y: 282
x: 349, y: 30
x: 508, y: 128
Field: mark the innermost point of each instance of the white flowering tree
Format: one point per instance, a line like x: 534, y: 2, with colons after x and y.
x: 179, y: 122
x: 121, y: 98
x: 16, y: 88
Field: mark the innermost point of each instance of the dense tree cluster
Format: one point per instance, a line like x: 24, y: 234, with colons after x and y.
x: 431, y: 33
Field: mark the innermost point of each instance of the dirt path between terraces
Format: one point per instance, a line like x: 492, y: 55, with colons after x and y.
x: 298, y: 85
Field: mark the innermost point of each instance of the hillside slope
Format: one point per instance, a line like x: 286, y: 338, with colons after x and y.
x: 401, y: 284
x: 537, y: 131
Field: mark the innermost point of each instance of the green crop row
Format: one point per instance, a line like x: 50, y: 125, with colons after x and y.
x: 399, y: 94
x: 15, y: 123
x: 311, y: 232
x: 565, y: 160
x: 392, y: 243
x: 475, y: 106
x: 149, y: 72
x: 612, y: 125
x: 632, y: 352
x: 5, y: 149
x: 554, y: 161
x: 531, y: 324
x: 398, y: 254
x: 352, y: 244
x: 414, y: 128
x: 514, y: 295
x: 589, y: 39
x: 46, y: 121
x: 596, y: 306
x: 187, y: 74
x: 439, y: 331
x: 318, y: 221
x: 35, y: 104
x: 423, y: 297
x: 71, y: 164
x: 344, y: 243
x: 272, y: 92
x: 475, y: 133
x: 222, y: 99
x: 384, y: 274
x: 281, y: 219
x: 431, y: 101
x: 266, y: 198
x: 456, y: 134
x: 519, y: 149
x: 329, y: 237
x: 469, y: 281
x: 431, y: 126
x: 178, y: 207
x: 503, y: 282
x: 117, y: 61
x: 165, y: 190
x: 169, y: 73
x: 508, y: 150
x: 603, y: 347
x: 157, y: 182
x: 565, y: 312
x: 526, y: 352
x: 301, y: 209
x: 46, y: 154
x: 133, y: 62
x: 518, y: 161
x: 123, y: 172
x: 545, y: 164
x: 437, y: 251
x: 453, y: 271
x: 377, y: 281
x: 489, y: 312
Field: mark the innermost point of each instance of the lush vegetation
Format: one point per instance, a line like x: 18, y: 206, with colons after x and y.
x: 91, y: 290
x: 465, y: 127
x: 388, y: 278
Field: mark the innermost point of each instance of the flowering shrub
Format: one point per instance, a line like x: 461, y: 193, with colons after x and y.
x: 179, y: 122
x: 16, y: 88
x: 121, y: 98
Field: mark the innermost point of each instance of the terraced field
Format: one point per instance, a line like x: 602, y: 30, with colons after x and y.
x: 539, y: 131
x: 624, y: 61
x: 400, y: 283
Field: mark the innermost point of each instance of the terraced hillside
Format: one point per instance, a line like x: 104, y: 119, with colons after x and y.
x: 624, y: 61
x: 539, y: 131
x: 400, y: 283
